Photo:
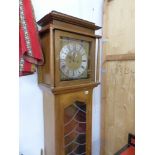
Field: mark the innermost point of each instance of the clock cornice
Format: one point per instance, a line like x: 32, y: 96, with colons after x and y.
x: 54, y: 15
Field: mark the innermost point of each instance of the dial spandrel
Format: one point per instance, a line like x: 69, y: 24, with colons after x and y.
x: 74, y: 59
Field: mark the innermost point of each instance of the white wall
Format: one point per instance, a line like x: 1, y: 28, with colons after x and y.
x: 31, y: 116
x: 31, y: 111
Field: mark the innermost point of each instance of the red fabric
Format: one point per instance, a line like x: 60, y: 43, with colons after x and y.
x: 30, y: 52
x: 129, y: 151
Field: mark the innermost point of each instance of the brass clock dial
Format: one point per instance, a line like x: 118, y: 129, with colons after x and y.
x: 74, y: 59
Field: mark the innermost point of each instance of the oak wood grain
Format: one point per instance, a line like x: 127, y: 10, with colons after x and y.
x: 58, y: 94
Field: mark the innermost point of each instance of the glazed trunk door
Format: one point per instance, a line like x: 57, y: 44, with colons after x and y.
x: 76, y: 137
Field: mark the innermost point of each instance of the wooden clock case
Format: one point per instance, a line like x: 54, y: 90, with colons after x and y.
x: 67, y: 104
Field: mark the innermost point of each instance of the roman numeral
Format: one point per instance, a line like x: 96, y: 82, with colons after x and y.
x: 82, y: 67
x: 62, y: 60
x: 63, y: 66
x: 83, y: 53
x: 67, y: 72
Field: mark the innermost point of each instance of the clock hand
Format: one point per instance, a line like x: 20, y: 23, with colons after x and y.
x: 73, y: 57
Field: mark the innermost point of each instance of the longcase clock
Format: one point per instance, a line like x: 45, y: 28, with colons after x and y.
x: 67, y: 79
